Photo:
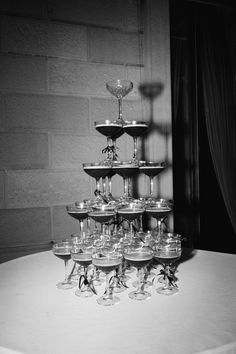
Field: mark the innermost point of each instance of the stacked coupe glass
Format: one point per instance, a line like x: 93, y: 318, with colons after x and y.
x: 111, y: 241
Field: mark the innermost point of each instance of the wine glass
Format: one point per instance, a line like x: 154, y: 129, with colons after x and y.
x: 112, y: 130
x: 81, y: 254
x: 61, y: 250
x: 167, y: 251
x: 159, y: 210
x: 135, y: 129
x: 151, y: 169
x: 119, y: 89
x: 79, y: 212
x: 125, y: 169
x: 139, y: 257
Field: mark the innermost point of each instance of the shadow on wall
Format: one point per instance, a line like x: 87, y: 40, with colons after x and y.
x: 151, y: 91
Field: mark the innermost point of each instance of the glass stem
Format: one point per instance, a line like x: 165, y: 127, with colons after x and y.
x: 129, y: 192
x: 135, y: 148
x: 151, y: 186
x: 109, y: 185
x: 85, y: 273
x: 131, y: 230
x: 109, y: 145
x: 98, y: 184
x: 114, y: 152
x: 88, y: 225
x: 95, y: 227
x: 139, y: 289
x: 81, y: 228
x: 108, y: 293
x: 125, y: 186
x: 120, y: 108
x: 166, y: 273
x: 141, y: 223
x: 104, y: 185
x: 66, y: 271
x: 159, y: 227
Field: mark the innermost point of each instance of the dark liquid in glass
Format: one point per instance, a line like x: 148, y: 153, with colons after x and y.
x: 158, y: 213
x: 83, y: 262
x: 110, y: 130
x: 102, y: 217
x: 126, y: 171
x: 108, y: 265
x: 166, y: 260
x: 138, y: 260
x: 62, y: 254
x: 79, y: 215
x: 97, y: 171
x: 135, y: 129
x: 130, y: 214
x: 151, y: 171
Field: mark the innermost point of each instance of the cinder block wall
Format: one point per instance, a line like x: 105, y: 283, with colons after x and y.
x: 55, y: 58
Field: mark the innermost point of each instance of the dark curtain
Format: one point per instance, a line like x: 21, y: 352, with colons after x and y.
x: 177, y: 55
x: 216, y: 42
x: 184, y: 165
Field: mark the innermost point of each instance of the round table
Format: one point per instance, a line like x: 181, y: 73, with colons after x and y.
x: 38, y: 318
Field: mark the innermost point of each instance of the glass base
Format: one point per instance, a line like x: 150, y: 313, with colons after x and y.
x: 84, y: 293
x: 124, y: 278
x: 98, y: 281
x: 167, y: 290
x: 147, y: 284
x: 119, y: 289
x: 135, y: 295
x: 130, y: 270
x: 108, y: 301
x: 66, y: 285
x: 161, y: 280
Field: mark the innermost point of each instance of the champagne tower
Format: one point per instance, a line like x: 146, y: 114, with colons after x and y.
x: 123, y: 215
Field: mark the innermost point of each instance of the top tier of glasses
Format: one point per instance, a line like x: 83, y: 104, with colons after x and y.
x: 119, y: 89
x: 113, y: 129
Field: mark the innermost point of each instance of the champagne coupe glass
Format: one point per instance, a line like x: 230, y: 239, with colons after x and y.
x: 79, y: 212
x: 125, y: 169
x: 135, y: 129
x: 159, y: 210
x: 103, y: 217
x: 81, y: 254
x: 112, y: 130
x: 167, y: 251
x: 62, y: 250
x: 139, y: 257
x: 131, y: 212
x: 107, y: 262
x: 151, y: 169
x: 97, y: 170
x: 84, y: 205
x: 119, y: 89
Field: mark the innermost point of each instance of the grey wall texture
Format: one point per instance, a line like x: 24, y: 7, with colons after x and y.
x: 55, y: 59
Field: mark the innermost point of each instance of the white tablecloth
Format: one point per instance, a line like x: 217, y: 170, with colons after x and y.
x: 38, y: 318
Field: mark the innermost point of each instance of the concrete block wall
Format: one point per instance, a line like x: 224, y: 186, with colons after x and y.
x: 55, y: 58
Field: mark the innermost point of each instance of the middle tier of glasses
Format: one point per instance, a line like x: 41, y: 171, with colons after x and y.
x: 120, y: 220
x: 103, y: 173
